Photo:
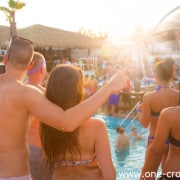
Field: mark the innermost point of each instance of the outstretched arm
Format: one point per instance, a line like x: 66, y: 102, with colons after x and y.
x: 70, y: 119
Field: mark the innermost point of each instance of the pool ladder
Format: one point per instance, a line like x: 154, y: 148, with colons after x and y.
x: 132, y: 110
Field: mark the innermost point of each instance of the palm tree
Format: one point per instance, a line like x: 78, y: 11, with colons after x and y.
x: 10, y: 14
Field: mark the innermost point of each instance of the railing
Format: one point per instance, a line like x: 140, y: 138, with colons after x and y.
x: 132, y: 110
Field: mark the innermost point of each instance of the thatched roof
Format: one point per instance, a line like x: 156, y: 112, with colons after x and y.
x: 44, y: 36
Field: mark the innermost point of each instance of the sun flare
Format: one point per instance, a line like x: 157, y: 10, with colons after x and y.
x: 115, y: 17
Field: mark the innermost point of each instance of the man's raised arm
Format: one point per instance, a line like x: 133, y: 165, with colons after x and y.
x: 70, y: 119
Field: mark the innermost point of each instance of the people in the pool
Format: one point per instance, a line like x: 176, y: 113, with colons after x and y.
x: 134, y: 134
x: 122, y: 140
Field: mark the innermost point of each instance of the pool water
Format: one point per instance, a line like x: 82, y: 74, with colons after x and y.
x: 128, y: 164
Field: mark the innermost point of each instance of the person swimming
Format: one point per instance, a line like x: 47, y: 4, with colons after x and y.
x: 122, y: 141
x: 134, y: 134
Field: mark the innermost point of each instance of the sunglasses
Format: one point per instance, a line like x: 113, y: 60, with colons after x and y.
x: 17, y: 38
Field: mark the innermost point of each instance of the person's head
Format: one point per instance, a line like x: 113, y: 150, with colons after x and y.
x: 65, y: 86
x: 164, y: 69
x: 38, y: 64
x: 157, y: 60
x: 120, y: 130
x: 65, y: 89
x: 134, y: 129
x: 63, y: 60
x: 19, y: 54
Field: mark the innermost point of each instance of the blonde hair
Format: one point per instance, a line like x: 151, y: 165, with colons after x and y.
x: 38, y: 62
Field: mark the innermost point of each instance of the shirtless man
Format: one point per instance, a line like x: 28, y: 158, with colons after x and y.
x: 134, y: 134
x: 35, y: 75
x: 19, y: 102
x: 122, y: 141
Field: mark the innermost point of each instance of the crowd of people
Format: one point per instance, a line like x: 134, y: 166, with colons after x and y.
x: 48, y: 132
x: 20, y: 103
x: 159, y: 112
x: 90, y: 85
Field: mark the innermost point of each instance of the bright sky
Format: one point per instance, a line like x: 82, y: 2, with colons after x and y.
x: 116, y: 17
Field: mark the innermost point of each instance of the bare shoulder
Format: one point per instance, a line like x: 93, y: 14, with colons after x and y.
x: 25, y: 92
x: 94, y: 123
x: 148, y: 95
x: 171, y: 112
x: 92, y: 128
x: 31, y: 91
x: 15, y: 90
x: 19, y: 87
x: 170, y: 116
x: 32, y: 88
x: 14, y: 96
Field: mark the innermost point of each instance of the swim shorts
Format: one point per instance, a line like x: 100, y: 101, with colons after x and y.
x: 114, y: 99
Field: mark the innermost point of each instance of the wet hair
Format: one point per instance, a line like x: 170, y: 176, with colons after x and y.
x: 120, y: 130
x: 20, y: 53
x: 65, y: 89
x: 164, y: 69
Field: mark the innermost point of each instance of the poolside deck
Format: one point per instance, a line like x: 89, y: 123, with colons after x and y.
x: 122, y: 112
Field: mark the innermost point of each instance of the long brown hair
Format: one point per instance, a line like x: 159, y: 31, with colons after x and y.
x: 65, y: 89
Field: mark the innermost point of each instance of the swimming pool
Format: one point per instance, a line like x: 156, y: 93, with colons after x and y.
x: 128, y: 164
